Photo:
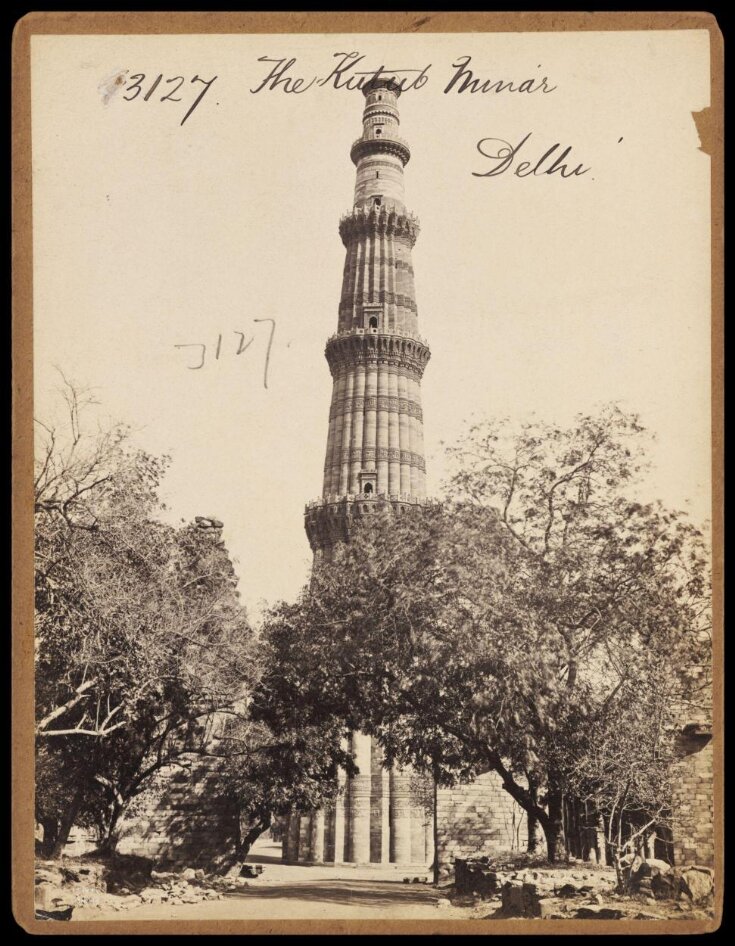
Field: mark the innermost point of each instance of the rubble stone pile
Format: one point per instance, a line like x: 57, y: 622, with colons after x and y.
x: 60, y: 887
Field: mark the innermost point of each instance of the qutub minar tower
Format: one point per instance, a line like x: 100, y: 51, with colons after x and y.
x: 375, y: 455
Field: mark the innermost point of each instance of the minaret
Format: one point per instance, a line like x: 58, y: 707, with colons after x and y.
x: 375, y: 455
x: 375, y: 444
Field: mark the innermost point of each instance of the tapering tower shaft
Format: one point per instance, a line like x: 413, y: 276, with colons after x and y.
x: 375, y: 456
x: 375, y: 443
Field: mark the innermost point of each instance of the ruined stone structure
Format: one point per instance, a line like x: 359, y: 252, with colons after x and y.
x: 183, y: 823
x: 693, y: 808
x: 478, y: 819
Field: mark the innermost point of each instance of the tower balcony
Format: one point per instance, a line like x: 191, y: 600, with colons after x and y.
x: 393, y: 333
x: 392, y: 144
x: 359, y: 346
x: 375, y: 217
x: 329, y: 519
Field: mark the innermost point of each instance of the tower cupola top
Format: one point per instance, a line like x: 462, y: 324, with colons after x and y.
x: 383, y: 83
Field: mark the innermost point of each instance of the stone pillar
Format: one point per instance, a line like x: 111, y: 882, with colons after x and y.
x: 429, y: 838
x: 317, y: 837
x: 359, y: 801
x: 400, y: 805
x: 339, y: 821
x: 376, y: 803
x: 385, y: 817
x: 294, y: 821
x: 418, y: 831
x: 304, y: 838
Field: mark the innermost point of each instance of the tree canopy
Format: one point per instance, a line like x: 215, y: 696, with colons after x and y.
x: 508, y: 628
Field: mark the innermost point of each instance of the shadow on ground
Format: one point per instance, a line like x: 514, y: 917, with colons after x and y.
x: 264, y: 859
x: 355, y: 893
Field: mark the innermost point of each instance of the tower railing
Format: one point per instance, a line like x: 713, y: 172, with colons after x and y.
x: 397, y: 332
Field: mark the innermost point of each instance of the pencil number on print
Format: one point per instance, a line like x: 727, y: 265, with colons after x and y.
x: 137, y: 85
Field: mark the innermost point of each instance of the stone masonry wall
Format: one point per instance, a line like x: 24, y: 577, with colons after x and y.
x: 478, y: 818
x: 182, y: 823
x: 693, y: 831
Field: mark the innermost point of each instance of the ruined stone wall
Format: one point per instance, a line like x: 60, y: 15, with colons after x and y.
x: 479, y: 818
x: 693, y: 829
x: 692, y: 808
x: 181, y: 822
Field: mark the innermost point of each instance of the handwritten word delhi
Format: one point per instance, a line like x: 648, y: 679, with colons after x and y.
x: 346, y: 75
x: 241, y: 347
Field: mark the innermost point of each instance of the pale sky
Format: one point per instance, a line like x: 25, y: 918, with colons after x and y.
x: 535, y: 294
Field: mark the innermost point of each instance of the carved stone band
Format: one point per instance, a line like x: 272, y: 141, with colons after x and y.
x: 356, y: 405
x: 371, y: 454
x: 350, y: 350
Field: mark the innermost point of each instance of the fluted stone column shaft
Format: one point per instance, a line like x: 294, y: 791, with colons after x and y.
x: 359, y: 801
x: 381, y: 452
x: 369, y: 437
x: 304, y: 837
x: 339, y: 820
x: 404, y: 421
x: 344, y: 477
x: 294, y: 823
x: 334, y: 467
x: 385, y: 817
x: 413, y: 433
x: 357, y: 431
x: 400, y: 802
x: 317, y: 838
x: 394, y: 440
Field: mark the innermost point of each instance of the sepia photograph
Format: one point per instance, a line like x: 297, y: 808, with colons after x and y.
x: 366, y: 372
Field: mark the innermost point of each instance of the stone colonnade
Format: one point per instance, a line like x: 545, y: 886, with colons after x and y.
x: 374, y: 820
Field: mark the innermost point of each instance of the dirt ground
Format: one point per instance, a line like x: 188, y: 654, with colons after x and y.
x: 304, y: 892
x: 290, y: 892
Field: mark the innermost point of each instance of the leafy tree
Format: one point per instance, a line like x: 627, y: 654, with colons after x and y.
x: 501, y: 630
x: 140, y: 637
x: 267, y: 774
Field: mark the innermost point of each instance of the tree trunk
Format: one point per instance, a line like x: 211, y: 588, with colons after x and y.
x: 554, y: 826
x: 67, y: 822
x: 50, y: 827
x: 531, y: 819
x: 247, y: 840
x: 109, y: 839
x: 435, y: 819
x: 601, y: 840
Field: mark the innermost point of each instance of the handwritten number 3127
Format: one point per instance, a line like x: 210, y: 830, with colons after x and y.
x: 136, y: 87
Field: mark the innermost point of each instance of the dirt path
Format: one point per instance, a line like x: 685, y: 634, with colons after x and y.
x: 293, y: 892
x: 319, y: 899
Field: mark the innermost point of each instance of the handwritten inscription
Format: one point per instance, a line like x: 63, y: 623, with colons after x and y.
x: 135, y: 87
x: 282, y: 77
x: 242, y: 346
x: 503, y: 155
x: 344, y: 75
x: 464, y: 79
